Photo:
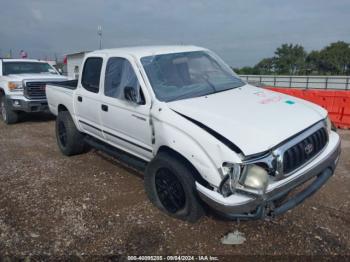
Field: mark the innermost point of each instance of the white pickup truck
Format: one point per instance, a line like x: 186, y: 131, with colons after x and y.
x: 22, y: 86
x: 205, y: 137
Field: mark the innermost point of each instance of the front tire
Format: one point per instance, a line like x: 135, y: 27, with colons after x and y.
x: 8, y: 116
x: 170, y: 186
x: 69, y: 139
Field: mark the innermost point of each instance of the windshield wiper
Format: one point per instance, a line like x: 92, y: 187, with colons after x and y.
x: 230, y: 88
x: 210, y: 84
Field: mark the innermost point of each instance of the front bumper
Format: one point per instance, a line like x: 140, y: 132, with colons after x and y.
x: 25, y: 105
x: 254, y: 207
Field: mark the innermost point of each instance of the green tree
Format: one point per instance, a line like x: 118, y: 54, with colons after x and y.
x: 293, y: 60
x: 290, y: 59
x: 246, y: 70
x: 265, y: 66
x: 335, y: 58
x: 314, y: 63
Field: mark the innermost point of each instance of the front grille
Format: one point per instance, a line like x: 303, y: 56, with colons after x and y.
x: 35, y: 90
x: 303, y: 151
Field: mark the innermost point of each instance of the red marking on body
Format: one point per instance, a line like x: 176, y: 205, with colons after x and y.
x: 271, y: 100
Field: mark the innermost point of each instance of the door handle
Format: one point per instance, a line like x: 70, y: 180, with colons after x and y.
x: 80, y: 99
x: 104, y: 108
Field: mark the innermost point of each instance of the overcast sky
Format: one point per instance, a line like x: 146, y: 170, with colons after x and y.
x: 240, y: 31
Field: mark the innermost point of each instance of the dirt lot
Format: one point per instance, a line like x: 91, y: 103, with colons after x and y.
x: 93, y: 205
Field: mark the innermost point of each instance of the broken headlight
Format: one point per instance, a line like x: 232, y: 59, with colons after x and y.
x: 231, y: 172
x: 250, y: 177
x: 255, y: 177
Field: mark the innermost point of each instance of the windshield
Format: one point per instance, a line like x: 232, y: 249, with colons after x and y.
x: 187, y: 75
x: 27, y: 68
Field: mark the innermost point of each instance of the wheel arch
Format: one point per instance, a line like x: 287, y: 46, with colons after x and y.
x: 64, y: 108
x: 197, y: 176
x: 61, y: 108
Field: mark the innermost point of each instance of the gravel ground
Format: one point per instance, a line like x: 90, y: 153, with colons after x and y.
x: 93, y: 205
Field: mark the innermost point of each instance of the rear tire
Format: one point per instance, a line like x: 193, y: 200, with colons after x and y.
x: 69, y: 139
x: 8, y: 116
x: 170, y: 186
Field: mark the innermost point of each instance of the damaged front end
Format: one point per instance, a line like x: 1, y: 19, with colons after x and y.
x: 258, y: 186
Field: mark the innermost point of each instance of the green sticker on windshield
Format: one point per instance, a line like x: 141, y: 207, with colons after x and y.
x: 289, y: 102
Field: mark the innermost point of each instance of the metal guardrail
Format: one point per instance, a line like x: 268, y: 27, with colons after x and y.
x: 305, y: 82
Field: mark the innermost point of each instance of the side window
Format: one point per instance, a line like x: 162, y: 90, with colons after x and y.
x: 119, y: 74
x: 91, y: 74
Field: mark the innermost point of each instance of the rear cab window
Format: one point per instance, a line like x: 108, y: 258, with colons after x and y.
x: 91, y: 74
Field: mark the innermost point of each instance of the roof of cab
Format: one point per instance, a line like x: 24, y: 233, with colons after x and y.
x: 142, y: 51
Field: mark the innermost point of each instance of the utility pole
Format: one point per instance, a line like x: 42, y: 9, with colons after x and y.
x: 99, y: 32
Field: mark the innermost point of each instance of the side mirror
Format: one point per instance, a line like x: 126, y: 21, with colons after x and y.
x: 130, y: 94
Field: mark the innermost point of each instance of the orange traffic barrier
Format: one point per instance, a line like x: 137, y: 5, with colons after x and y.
x: 337, y: 102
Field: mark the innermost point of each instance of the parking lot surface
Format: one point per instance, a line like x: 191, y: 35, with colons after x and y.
x: 91, y: 204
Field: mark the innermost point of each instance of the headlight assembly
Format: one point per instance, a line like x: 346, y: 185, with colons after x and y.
x: 255, y: 177
x: 15, y: 85
x: 251, y: 177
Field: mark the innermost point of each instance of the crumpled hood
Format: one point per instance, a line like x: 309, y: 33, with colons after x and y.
x: 21, y: 77
x: 252, y: 118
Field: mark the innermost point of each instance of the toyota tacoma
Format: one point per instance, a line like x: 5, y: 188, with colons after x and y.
x: 206, y: 137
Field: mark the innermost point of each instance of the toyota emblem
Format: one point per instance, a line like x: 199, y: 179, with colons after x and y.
x: 309, y: 148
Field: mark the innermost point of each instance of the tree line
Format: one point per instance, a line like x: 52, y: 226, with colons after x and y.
x: 292, y: 59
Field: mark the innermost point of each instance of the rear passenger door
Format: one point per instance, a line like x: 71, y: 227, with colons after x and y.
x: 126, y: 124
x: 87, y: 97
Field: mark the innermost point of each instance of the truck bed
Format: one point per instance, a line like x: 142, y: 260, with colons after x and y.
x: 61, y: 94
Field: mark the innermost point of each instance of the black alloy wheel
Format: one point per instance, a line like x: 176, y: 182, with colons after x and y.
x: 62, y: 133
x: 169, y: 190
